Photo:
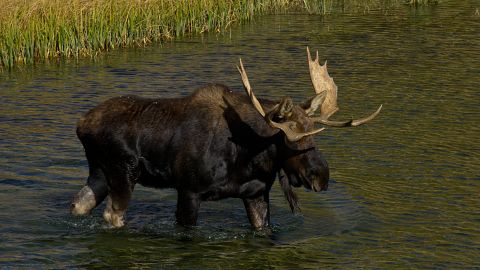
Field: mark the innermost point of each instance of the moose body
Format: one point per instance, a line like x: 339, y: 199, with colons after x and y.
x: 210, y: 145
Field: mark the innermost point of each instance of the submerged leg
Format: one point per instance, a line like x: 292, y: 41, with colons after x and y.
x: 187, y: 208
x: 117, y: 203
x: 121, y: 181
x: 114, y: 212
x: 91, y: 195
x: 258, y: 211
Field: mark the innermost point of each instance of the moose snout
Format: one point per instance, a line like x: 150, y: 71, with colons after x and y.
x: 317, y: 186
x: 319, y: 177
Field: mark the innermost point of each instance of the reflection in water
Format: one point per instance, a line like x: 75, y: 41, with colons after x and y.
x: 405, y: 188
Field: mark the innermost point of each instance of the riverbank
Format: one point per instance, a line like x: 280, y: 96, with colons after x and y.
x: 38, y: 30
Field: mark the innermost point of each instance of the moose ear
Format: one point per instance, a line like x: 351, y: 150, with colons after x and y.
x: 311, y: 105
x: 285, y: 108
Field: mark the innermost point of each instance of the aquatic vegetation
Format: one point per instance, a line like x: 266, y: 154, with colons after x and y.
x: 37, y: 30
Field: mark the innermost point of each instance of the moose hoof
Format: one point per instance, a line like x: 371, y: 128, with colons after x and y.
x: 83, y: 202
x: 115, y: 220
x: 112, y: 217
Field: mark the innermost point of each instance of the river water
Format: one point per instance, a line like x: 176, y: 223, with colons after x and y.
x: 404, y: 192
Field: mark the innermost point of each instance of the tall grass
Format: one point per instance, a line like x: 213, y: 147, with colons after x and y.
x: 36, y: 30
x: 33, y: 30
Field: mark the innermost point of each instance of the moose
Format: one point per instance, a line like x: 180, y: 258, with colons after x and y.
x: 211, y: 145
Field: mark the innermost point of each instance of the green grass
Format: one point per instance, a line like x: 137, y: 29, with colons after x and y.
x: 38, y: 30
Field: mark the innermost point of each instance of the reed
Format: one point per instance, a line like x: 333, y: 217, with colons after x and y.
x: 38, y: 30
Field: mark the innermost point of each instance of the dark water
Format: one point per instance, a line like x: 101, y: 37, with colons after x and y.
x: 405, y: 189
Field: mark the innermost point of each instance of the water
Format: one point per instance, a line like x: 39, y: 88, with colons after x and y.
x: 404, y: 191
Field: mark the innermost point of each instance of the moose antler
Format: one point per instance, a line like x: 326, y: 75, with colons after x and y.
x: 323, y: 82
x: 287, y: 127
x: 248, y: 88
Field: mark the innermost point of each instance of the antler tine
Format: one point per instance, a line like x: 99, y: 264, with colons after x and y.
x: 358, y: 122
x: 348, y: 123
x: 248, y: 89
x: 321, y: 81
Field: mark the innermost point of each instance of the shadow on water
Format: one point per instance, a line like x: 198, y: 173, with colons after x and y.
x: 405, y: 187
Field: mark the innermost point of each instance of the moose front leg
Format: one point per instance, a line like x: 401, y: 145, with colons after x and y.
x: 258, y: 211
x: 187, y: 208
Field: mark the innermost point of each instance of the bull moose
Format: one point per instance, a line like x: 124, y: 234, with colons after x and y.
x: 210, y: 145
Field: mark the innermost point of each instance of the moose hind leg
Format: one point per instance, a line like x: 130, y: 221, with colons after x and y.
x: 83, y: 202
x: 91, y: 195
x: 116, y: 207
x: 121, y: 180
x: 114, y: 216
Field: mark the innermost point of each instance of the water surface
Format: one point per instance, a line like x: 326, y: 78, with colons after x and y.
x: 404, y: 191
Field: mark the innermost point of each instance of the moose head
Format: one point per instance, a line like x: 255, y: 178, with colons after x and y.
x: 301, y: 164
